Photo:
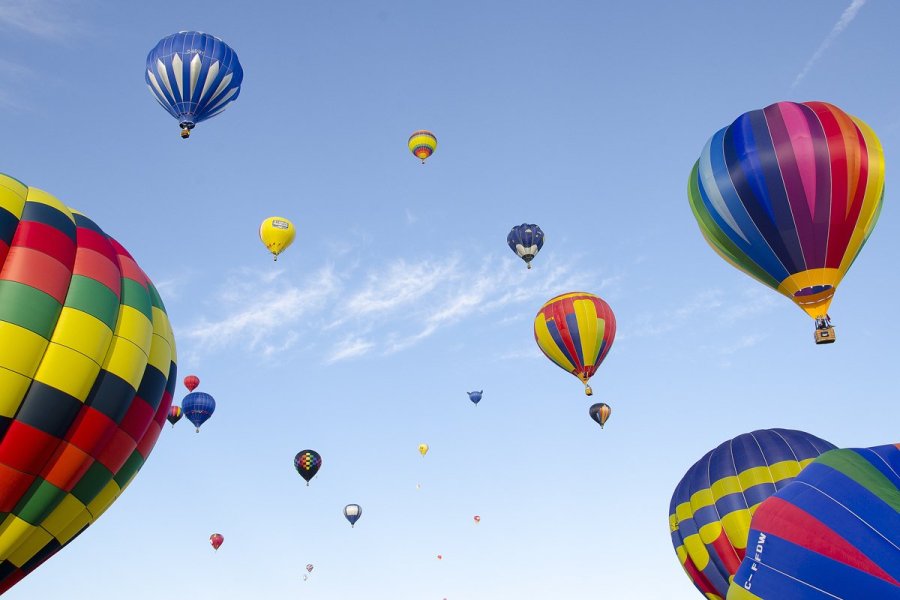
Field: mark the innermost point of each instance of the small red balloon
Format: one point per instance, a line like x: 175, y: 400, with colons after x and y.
x: 477, y: 519
x: 440, y: 557
x: 216, y: 540
x: 191, y: 382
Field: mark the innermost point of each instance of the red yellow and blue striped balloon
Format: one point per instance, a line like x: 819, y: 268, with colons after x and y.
x: 422, y: 144
x: 576, y: 331
x: 87, y: 372
x: 711, y: 508
x: 832, y: 533
x: 789, y: 195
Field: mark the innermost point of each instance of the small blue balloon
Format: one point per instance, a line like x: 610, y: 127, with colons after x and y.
x: 526, y: 240
x: 198, y: 407
x: 475, y: 397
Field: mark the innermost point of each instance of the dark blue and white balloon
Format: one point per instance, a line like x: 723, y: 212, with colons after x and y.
x: 198, y: 407
x: 352, y: 512
x: 526, y: 240
x: 194, y: 76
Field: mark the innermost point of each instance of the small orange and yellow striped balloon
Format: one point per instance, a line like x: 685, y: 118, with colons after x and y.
x: 422, y: 144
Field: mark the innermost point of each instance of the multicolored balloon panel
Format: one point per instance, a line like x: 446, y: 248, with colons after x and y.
x: 710, y: 511
x: 87, y: 373
x: 576, y: 331
x: 194, y: 76
x: 833, y: 533
x: 789, y: 195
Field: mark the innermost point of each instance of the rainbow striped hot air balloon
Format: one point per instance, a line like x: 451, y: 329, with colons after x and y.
x: 710, y: 510
x: 832, y: 533
x: 576, y: 331
x: 789, y: 195
x: 87, y: 372
x: 422, y: 144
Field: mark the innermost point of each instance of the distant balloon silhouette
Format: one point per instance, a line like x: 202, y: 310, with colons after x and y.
x: 475, y: 397
x: 352, y: 512
x: 174, y: 415
x: 216, y: 540
x: 191, y: 382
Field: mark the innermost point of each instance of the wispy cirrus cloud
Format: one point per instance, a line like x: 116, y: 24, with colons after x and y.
x: 262, y: 312
x: 388, y: 309
x: 843, y: 22
x: 47, y: 19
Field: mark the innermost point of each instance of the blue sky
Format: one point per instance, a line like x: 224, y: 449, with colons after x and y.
x: 400, y: 295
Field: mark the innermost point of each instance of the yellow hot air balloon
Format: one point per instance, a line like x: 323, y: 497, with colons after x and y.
x: 423, y: 449
x: 277, y: 233
x: 422, y: 144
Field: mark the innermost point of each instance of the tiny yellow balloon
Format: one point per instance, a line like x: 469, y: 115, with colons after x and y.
x: 277, y: 233
x: 423, y: 449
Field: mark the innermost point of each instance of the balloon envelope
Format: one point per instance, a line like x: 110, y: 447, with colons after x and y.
x: 309, y: 568
x: 216, y: 540
x: 475, y: 397
x: 307, y: 463
x: 832, y: 533
x: 600, y: 412
x: 198, y: 407
x: 526, y: 240
x: 82, y: 329
x: 576, y: 331
x: 423, y: 449
x: 194, y: 76
x: 789, y: 194
x: 174, y: 415
x: 352, y: 512
x: 276, y: 234
x: 422, y: 144
x: 710, y: 510
x: 191, y: 382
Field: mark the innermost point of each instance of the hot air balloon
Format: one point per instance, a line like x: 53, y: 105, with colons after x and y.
x: 422, y: 144
x: 198, y: 407
x: 307, y: 463
x: 82, y: 329
x: 174, y: 415
x: 309, y: 568
x: 277, y: 233
x: 477, y: 519
x: 832, y: 533
x: 600, y: 412
x: 440, y: 557
x: 194, y: 76
x: 191, y: 382
x: 423, y: 449
x: 352, y: 512
x: 216, y: 540
x: 789, y: 195
x: 526, y: 241
x: 576, y: 331
x: 475, y: 397
x: 709, y: 514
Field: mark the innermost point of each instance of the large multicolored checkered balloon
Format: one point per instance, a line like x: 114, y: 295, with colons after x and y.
x: 710, y: 511
x: 87, y: 371
x: 833, y: 533
x: 789, y: 194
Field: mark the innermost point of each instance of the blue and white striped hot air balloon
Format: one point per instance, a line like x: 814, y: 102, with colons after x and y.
x: 194, y: 76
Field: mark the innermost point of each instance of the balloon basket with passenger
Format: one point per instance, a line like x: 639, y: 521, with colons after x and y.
x: 824, y: 330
